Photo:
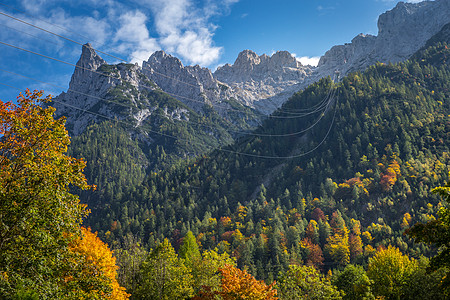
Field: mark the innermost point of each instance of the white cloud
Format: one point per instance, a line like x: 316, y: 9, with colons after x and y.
x: 312, y: 61
x: 85, y: 27
x: 186, y: 29
x: 133, y: 36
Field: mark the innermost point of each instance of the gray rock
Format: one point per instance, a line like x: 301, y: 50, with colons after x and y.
x: 86, y: 99
x: 192, y: 85
x: 401, y: 32
x: 261, y: 81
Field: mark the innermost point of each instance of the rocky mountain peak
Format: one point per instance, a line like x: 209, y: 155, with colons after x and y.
x: 401, y: 32
x: 284, y: 59
x: 246, y: 59
x: 162, y: 58
x: 193, y: 85
x: 89, y: 61
x: 263, y: 81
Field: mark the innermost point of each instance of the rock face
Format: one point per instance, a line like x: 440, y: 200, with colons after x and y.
x: 262, y: 81
x: 401, y: 32
x: 253, y: 80
x: 192, y: 85
x: 88, y: 99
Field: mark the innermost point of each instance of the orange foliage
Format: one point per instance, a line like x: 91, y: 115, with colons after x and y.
x: 226, y: 221
x: 238, y: 284
x: 314, y: 253
x: 356, y: 246
x: 312, y: 230
x: 227, y: 236
x: 99, y: 262
x: 390, y: 175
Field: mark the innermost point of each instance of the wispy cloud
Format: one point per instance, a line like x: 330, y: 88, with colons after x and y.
x: 133, y: 37
x: 184, y: 28
x: 325, y: 9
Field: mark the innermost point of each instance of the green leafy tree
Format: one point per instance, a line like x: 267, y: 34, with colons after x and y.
x: 425, y: 285
x: 303, y: 282
x: 353, y: 281
x: 189, y: 249
x: 164, y: 275
x: 437, y: 232
x: 206, y: 271
x: 390, y: 271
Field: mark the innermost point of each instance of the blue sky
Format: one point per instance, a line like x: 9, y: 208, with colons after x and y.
x: 205, y: 32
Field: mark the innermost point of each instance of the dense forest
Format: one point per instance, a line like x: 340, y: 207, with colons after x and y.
x: 340, y: 194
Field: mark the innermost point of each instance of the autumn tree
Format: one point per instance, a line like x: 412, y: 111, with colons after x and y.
x: 206, y: 271
x: 338, y: 247
x: 39, y: 217
x: 313, y: 253
x: 96, y: 270
x: 238, y: 284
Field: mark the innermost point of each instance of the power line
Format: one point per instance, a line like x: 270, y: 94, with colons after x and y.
x: 58, y: 35
x: 105, y: 117
x: 150, y: 87
x: 97, y: 50
x: 29, y: 34
x: 153, y: 71
x: 218, y: 149
x: 286, y: 157
x: 326, y: 105
x: 60, y: 27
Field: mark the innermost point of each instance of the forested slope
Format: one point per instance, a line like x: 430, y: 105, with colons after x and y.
x: 341, y: 169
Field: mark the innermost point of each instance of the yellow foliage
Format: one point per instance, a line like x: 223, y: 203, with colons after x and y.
x: 238, y: 236
x: 367, y: 236
x: 241, y: 213
x: 338, y: 246
x: 369, y: 250
x: 355, y: 226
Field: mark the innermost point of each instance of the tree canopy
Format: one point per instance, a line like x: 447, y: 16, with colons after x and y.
x: 40, y: 219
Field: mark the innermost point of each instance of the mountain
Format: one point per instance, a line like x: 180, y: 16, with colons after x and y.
x: 341, y: 169
x: 401, y: 32
x: 192, y: 85
x: 164, y: 129
x: 250, y: 81
x: 264, y: 82
x: 253, y: 82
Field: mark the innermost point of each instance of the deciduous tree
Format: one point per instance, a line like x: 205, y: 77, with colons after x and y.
x: 39, y: 217
x: 303, y: 282
x: 437, y: 232
x: 164, y: 275
x: 390, y: 270
x: 96, y: 270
